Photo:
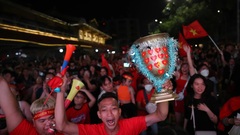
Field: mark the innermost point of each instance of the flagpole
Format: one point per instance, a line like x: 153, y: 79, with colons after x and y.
x: 215, y: 44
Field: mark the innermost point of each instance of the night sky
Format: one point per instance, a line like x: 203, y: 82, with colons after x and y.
x: 89, y: 9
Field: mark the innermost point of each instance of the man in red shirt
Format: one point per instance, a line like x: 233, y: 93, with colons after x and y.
x: 109, y: 112
x: 43, y: 114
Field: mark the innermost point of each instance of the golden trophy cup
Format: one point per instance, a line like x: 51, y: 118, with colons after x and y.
x: 155, y: 57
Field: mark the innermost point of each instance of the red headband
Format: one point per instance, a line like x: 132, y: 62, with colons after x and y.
x: 127, y: 77
x: 43, y: 113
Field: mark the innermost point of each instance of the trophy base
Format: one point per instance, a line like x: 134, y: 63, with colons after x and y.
x: 163, y: 97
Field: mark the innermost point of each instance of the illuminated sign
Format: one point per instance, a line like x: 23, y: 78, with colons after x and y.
x: 88, y: 36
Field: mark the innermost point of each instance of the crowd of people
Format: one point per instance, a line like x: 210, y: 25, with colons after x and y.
x: 116, y: 99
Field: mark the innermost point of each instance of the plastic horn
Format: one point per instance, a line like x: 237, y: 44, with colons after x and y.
x: 69, y: 50
x: 76, y: 86
x: 57, y: 81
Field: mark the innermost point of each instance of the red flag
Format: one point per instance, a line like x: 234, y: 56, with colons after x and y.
x: 194, y: 30
x: 105, y: 64
x: 181, y: 43
x: 227, y: 110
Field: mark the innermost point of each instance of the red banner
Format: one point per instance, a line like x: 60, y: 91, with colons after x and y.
x: 181, y: 43
x: 194, y: 30
x: 105, y: 64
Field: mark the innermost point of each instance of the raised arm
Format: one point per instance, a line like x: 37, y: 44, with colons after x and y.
x: 62, y: 124
x: 192, y: 69
x: 132, y: 94
x: 9, y: 106
x: 25, y: 107
x: 162, y: 109
x: 91, y: 97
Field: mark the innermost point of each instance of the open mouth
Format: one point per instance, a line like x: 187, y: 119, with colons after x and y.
x: 110, y: 122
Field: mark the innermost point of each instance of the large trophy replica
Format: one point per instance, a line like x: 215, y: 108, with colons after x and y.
x: 155, y: 57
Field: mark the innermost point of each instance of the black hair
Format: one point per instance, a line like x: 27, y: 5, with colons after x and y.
x: 48, y: 73
x: 51, y: 68
x: 104, y: 68
x: 201, y: 65
x: 103, y: 79
x: 85, y: 95
x: 126, y: 73
x: 190, y: 91
x: 117, y: 80
x: 8, y: 71
x: 108, y: 95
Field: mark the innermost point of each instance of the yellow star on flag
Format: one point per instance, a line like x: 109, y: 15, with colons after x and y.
x: 180, y: 45
x: 193, y: 31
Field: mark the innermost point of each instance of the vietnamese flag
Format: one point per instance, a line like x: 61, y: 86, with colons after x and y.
x: 181, y: 43
x: 194, y: 30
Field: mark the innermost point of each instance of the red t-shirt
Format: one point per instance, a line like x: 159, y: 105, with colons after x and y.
x: 26, y: 128
x: 134, y: 81
x: 131, y: 126
x: 140, y: 98
x: 179, y: 104
x: 79, y: 116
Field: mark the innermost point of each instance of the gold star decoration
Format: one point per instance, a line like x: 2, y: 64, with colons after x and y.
x: 180, y: 45
x: 193, y: 31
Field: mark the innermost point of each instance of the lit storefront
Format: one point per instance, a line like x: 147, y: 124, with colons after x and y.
x: 24, y: 28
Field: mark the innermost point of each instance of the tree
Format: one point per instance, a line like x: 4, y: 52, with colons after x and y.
x: 183, y: 12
